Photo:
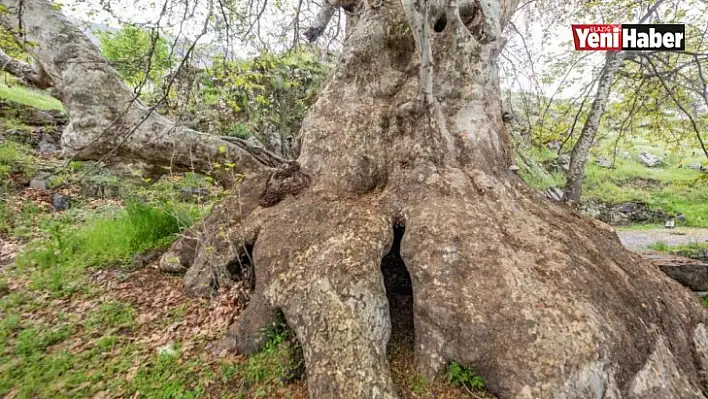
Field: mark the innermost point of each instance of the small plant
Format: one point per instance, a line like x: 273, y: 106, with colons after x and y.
x: 240, y: 130
x: 458, y: 375
x: 419, y: 384
x: 659, y: 246
x: 704, y: 300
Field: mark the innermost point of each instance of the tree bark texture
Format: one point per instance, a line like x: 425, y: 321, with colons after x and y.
x: 538, y: 300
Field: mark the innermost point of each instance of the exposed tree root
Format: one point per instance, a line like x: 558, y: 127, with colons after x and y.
x: 208, y: 248
x: 321, y: 267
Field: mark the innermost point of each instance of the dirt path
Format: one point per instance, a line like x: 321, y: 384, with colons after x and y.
x: 639, y: 240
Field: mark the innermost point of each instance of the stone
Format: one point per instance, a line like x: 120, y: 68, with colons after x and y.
x: 670, y: 224
x: 689, y: 272
x: 563, y: 161
x: 604, y: 162
x: 30, y: 115
x: 697, y: 253
x: 147, y: 258
x: 558, y: 164
x: 631, y: 212
x: 698, y: 167
x: 45, y: 147
x: 554, y: 193
x: 61, y: 202
x: 194, y: 194
x: 40, y: 181
x: 625, y: 155
x: 167, y: 350
x: 649, y: 160
x: 178, y: 257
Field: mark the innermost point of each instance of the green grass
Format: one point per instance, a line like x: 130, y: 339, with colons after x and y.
x: 15, y: 158
x: 694, y: 249
x: 671, y: 189
x: 28, y: 96
x: 659, y: 246
x: 111, y: 315
x: 58, y: 263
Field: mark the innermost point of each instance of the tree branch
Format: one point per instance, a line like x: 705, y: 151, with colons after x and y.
x: 320, y: 23
x: 26, y: 72
x: 106, y: 117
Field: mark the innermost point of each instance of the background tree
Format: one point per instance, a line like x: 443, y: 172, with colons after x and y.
x: 137, y: 55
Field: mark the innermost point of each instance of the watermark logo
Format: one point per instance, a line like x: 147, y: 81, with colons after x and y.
x: 615, y: 37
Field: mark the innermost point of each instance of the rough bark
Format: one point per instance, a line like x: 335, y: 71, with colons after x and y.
x: 106, y: 120
x: 26, y: 72
x: 540, y: 301
x: 581, y: 150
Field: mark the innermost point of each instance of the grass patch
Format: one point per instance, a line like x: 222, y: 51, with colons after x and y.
x: 692, y: 250
x: 659, y: 246
x: 14, y: 158
x: 111, y: 315
x: 673, y: 190
x: 28, y: 96
x: 59, y: 262
x: 166, y: 377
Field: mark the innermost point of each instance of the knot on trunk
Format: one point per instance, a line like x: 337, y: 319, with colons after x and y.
x: 286, y: 179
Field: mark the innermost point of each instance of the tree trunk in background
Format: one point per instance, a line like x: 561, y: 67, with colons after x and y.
x: 106, y: 120
x: 538, y: 300
x: 581, y: 150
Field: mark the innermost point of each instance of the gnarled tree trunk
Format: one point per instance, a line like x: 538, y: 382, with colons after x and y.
x: 540, y: 301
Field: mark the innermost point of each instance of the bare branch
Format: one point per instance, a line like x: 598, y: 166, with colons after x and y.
x: 26, y: 72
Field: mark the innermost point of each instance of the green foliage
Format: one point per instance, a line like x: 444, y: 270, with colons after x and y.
x: 419, y: 384
x: 269, y: 368
x: 704, y: 300
x: 458, y: 375
x: 137, y: 54
x: 9, y: 45
x: 269, y: 92
x: 671, y: 189
x: 659, y: 246
x: 530, y: 169
x: 14, y: 158
x: 28, y: 365
x: 240, y: 130
x: 59, y: 261
x: 694, y: 249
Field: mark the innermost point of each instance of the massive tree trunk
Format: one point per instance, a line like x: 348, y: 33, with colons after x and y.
x: 540, y: 301
x: 106, y: 119
x: 581, y: 150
